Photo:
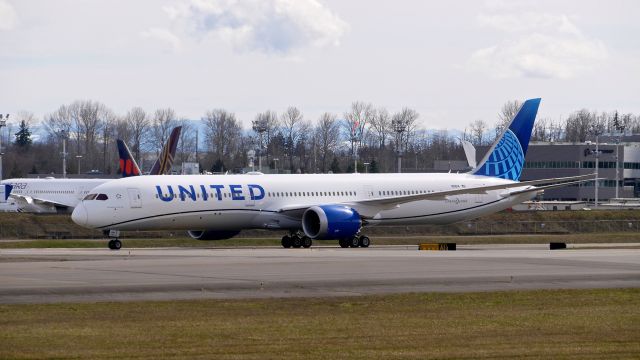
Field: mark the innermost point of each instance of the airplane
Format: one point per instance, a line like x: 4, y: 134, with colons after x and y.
x: 50, y: 195
x: 318, y: 206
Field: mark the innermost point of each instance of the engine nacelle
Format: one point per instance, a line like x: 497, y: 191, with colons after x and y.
x: 213, y: 234
x: 329, y: 222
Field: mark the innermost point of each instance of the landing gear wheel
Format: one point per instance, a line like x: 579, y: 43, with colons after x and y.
x: 344, y: 243
x: 115, y: 244
x: 306, y: 242
x: 364, y: 241
x: 297, y: 242
x: 286, y: 241
x: 354, y: 242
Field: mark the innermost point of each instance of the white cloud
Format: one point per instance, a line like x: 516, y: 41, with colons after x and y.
x: 537, y: 45
x: 163, y: 35
x: 8, y: 16
x: 268, y: 26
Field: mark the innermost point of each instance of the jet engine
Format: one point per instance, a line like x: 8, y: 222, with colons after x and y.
x: 213, y: 234
x: 331, y: 222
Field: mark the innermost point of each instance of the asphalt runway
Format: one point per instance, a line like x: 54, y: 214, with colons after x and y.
x: 78, y: 275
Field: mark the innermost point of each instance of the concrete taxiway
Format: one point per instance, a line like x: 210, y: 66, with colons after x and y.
x: 59, y: 275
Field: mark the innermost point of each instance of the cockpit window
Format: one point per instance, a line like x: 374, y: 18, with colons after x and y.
x: 90, y: 197
x: 102, y: 197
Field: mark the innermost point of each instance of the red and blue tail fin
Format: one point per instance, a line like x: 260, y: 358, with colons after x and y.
x: 162, y: 166
x: 128, y: 165
x: 505, y: 158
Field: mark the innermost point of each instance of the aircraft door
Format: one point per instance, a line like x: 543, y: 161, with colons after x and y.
x: 135, y: 199
x: 368, y: 191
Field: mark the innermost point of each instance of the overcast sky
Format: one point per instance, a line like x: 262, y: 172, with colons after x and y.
x: 452, y: 61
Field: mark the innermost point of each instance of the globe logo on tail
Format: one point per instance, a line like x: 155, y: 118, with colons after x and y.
x: 506, y: 160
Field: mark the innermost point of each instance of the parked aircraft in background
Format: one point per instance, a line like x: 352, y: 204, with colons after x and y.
x: 317, y: 206
x: 50, y: 195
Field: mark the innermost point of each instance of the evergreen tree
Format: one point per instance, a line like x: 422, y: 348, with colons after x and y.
x: 335, y: 166
x: 349, y: 168
x: 218, y: 166
x: 23, y: 136
x: 374, y: 166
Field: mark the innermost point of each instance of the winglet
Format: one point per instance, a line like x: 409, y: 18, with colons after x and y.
x: 128, y: 165
x: 162, y: 166
x: 505, y: 158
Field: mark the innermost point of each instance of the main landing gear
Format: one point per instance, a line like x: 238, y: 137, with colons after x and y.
x: 114, y: 243
x: 296, y: 240
x: 354, y: 242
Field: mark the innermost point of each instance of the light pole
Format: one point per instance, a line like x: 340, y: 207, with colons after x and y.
x: 617, y: 160
x: 260, y: 126
x: 597, y: 168
x: 63, y: 134
x: 275, y: 161
x: 3, y: 123
x: 366, y: 167
x: 399, y: 126
x: 78, y: 157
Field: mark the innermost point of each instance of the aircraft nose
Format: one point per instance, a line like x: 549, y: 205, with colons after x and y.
x: 80, y: 215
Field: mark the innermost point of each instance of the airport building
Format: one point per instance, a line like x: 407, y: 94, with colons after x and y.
x: 618, y: 165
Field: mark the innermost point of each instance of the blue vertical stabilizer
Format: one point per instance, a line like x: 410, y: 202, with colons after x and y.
x: 505, y: 158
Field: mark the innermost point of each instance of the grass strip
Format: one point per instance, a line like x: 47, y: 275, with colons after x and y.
x: 517, y: 324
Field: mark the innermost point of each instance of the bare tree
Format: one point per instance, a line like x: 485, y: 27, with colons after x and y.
x: 508, y: 112
x: 478, y: 129
x: 357, y: 120
x: 109, y: 121
x: 381, y: 125
x: 187, y: 141
x: 223, y: 135
x: 291, y: 122
x: 59, y: 121
x: 270, y: 121
x: 87, y: 117
x: 139, y: 123
x: 328, y: 135
x: 578, y: 126
x: 162, y: 124
x: 540, y: 130
x: 407, y: 118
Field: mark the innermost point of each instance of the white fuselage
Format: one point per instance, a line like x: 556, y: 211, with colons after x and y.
x: 236, y: 202
x: 48, y: 195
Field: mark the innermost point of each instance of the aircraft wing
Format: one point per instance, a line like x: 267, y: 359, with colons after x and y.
x: 23, y: 201
x: 391, y: 202
x: 441, y: 195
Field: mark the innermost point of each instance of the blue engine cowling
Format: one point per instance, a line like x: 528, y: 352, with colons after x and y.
x: 213, y: 234
x: 329, y: 222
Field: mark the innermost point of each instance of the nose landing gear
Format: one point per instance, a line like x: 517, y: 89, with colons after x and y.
x: 114, y: 243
